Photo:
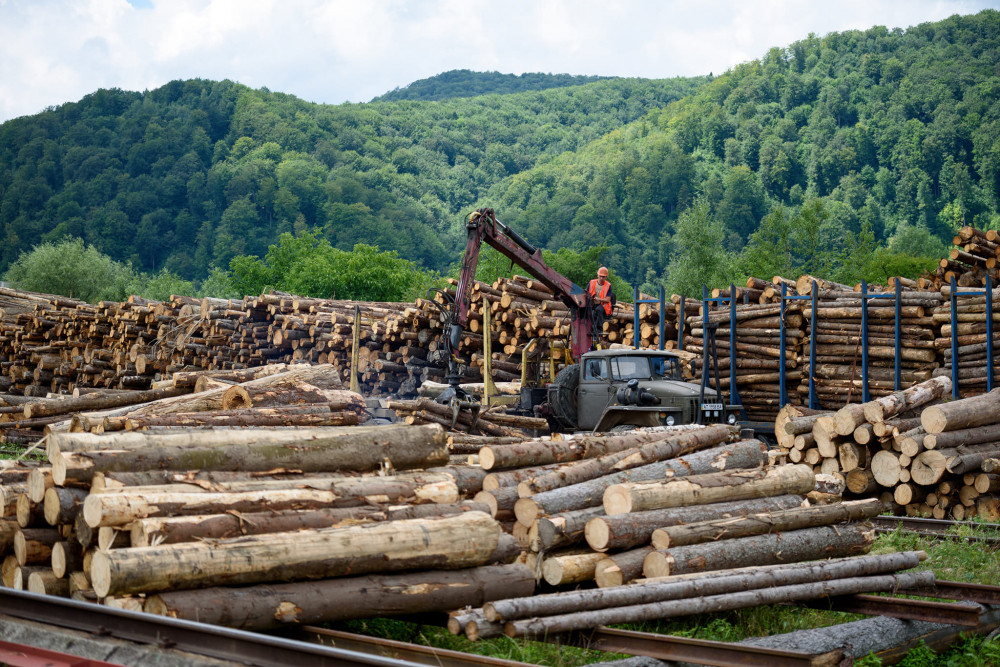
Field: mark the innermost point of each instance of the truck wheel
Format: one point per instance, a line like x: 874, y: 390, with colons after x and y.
x: 563, y: 394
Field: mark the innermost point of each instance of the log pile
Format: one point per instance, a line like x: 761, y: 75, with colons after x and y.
x: 682, y: 533
x: 922, y: 456
x: 672, y: 597
x: 974, y: 257
x: 187, y: 521
x: 758, y: 352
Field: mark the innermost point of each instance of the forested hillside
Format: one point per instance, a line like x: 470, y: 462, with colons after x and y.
x: 466, y: 83
x: 848, y: 155
x: 849, y: 140
x: 192, y: 174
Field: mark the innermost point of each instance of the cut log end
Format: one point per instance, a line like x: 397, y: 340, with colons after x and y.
x: 526, y: 510
x: 597, y: 534
x: 657, y: 564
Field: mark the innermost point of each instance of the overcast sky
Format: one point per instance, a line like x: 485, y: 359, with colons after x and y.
x: 334, y: 51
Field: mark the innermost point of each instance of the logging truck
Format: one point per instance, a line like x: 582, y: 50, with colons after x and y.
x: 624, y: 387
x: 605, y: 388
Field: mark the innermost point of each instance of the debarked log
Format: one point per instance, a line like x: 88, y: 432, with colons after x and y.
x: 171, y: 530
x: 118, y: 509
x: 709, y: 488
x: 351, y: 449
x: 465, y: 540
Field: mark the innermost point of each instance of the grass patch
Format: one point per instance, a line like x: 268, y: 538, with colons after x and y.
x: 954, y: 560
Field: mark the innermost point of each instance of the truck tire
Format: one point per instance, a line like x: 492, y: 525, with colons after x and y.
x: 563, y: 395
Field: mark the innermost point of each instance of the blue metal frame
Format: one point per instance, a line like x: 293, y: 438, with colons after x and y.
x: 954, y: 334
x: 734, y: 394
x: 899, y: 337
x: 663, y: 315
x: 989, y: 333
x: 782, y: 383
x: 865, y: 391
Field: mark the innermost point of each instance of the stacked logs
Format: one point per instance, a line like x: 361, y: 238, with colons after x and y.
x: 959, y: 458
x: 174, y: 520
x: 678, y: 524
x: 922, y: 456
x: 758, y: 352
x: 838, y: 341
x: 975, y: 256
x: 542, y: 616
x: 970, y: 333
x: 51, y: 344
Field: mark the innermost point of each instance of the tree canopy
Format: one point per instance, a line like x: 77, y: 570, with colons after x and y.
x: 851, y: 151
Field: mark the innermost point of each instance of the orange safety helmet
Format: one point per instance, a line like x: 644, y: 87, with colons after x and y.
x: 603, y: 271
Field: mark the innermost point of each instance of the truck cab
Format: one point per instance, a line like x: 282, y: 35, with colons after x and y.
x: 617, y: 387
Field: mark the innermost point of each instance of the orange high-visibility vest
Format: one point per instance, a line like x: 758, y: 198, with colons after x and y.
x: 603, y: 295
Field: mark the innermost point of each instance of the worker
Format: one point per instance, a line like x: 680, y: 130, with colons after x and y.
x: 603, y: 296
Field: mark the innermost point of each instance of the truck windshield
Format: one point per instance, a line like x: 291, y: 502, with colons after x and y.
x: 645, y: 368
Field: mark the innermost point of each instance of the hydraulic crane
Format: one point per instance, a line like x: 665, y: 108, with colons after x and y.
x: 482, y: 227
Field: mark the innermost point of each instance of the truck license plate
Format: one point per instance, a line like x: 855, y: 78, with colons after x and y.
x: 711, y: 406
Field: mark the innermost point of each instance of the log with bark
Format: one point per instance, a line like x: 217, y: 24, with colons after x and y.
x: 712, y: 583
x: 794, y: 545
x: 757, y: 524
x: 268, y: 606
x: 551, y: 625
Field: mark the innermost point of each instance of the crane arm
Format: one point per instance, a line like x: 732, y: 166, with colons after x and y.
x: 483, y: 227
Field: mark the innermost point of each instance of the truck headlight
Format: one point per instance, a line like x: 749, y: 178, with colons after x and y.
x: 731, y: 418
x: 669, y: 421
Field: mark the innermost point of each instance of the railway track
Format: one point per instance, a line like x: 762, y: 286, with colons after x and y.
x: 937, y: 528
x: 310, y: 646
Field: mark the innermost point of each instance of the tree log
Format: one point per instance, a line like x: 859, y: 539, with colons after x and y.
x: 794, y: 545
x: 465, y: 540
x: 966, y: 436
x: 962, y: 414
x: 118, y: 509
x: 650, y: 452
x: 621, y: 568
x: 559, y: 570
x: 757, y: 524
x: 713, y: 583
x: 63, y: 406
x: 745, y: 454
x: 625, y: 531
x: 264, y: 607
x: 34, y: 545
x: 349, y: 449
x: 889, y: 406
x: 171, y: 530
x: 709, y: 488
x: 561, y: 529
x: 550, y: 625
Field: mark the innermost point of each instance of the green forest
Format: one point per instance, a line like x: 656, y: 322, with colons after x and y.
x: 854, y: 154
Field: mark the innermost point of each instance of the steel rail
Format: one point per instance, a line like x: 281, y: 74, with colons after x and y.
x: 954, y: 613
x: 700, y: 651
x: 23, y: 655
x: 424, y: 655
x: 198, y: 638
x: 934, y: 528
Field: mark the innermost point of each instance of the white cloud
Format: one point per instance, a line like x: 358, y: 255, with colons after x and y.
x: 54, y: 51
